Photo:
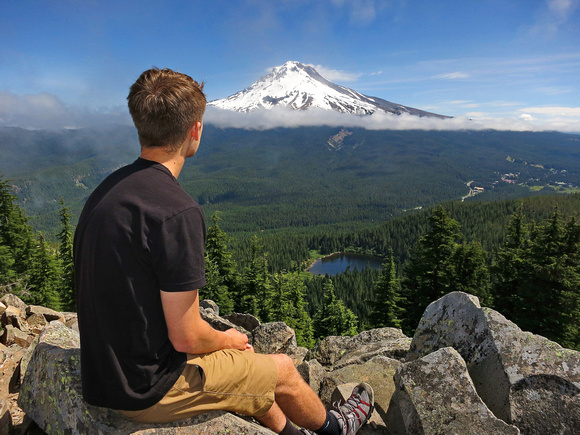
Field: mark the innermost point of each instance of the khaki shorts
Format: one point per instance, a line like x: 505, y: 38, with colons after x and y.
x: 228, y: 380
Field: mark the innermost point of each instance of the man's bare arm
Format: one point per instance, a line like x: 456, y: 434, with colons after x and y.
x: 189, y: 333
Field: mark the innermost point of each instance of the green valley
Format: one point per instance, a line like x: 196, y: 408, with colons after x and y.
x: 275, y: 199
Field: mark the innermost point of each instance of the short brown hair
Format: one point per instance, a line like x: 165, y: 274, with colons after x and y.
x: 164, y: 105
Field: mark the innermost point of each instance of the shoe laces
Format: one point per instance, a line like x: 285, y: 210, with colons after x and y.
x: 353, y: 409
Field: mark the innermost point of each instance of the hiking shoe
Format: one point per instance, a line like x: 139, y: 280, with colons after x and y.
x: 356, y: 411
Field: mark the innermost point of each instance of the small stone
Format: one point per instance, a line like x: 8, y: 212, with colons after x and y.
x: 209, y: 304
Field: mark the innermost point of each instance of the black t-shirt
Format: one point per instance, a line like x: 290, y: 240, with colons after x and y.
x: 139, y: 233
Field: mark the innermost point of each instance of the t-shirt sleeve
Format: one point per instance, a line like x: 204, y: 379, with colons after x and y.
x: 178, y: 251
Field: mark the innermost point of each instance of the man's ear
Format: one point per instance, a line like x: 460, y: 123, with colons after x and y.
x: 196, y: 130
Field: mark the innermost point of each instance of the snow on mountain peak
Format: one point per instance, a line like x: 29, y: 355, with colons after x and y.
x: 301, y: 87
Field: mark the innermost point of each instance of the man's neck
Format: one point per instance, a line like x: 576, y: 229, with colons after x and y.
x: 173, y: 161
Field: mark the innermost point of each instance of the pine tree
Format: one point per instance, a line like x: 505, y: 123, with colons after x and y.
x: 222, y: 276
x: 550, y: 292
x: 65, y: 254
x: 7, y: 272
x: 510, y: 265
x: 537, y: 276
x: 333, y: 317
x: 429, y: 272
x: 255, y: 289
x: 16, y: 234
x: 279, y: 305
x: 387, y: 310
x: 44, y: 277
x: 299, y: 319
x: 287, y: 305
x: 571, y: 295
x: 215, y: 289
x: 471, y: 274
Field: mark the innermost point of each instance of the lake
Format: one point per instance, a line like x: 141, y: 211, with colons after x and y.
x: 341, y: 261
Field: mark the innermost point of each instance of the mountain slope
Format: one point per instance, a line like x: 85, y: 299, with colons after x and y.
x: 301, y: 87
x: 295, y: 178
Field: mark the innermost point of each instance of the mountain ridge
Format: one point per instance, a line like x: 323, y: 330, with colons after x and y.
x: 301, y: 87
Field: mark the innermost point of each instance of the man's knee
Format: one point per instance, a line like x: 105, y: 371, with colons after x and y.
x: 287, y: 373
x: 283, y: 362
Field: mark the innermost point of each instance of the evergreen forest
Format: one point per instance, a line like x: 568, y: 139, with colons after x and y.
x: 521, y: 257
x: 295, y: 179
x: 491, y: 213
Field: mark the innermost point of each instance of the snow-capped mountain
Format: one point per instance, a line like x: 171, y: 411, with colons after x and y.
x: 300, y: 87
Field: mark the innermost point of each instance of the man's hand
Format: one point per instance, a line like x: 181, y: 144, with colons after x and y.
x: 189, y: 333
x: 238, y: 340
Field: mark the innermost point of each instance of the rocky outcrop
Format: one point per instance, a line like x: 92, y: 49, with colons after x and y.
x: 51, y: 395
x: 435, y: 394
x: 466, y: 370
x: 341, y: 351
x: 524, y: 379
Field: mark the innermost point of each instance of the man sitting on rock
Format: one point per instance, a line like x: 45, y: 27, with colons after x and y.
x: 139, y: 258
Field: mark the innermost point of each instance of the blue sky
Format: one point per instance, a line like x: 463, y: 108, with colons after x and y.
x: 501, y: 62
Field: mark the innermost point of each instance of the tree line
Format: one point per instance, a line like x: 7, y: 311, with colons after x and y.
x: 32, y: 268
x: 533, y: 278
x: 531, y: 275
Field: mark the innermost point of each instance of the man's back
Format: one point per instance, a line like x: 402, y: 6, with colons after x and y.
x: 139, y: 233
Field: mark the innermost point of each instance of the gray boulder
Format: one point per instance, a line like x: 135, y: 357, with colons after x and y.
x: 51, y: 396
x: 218, y: 322
x: 14, y: 316
x: 313, y: 373
x: 12, y: 335
x: 48, y: 313
x: 11, y: 300
x: 36, y: 323
x: 435, y: 395
x: 524, y: 379
x: 341, y: 351
x: 246, y: 321
x: 276, y: 337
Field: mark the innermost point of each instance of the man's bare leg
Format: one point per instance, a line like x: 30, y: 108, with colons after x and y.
x: 294, y: 399
x: 274, y: 419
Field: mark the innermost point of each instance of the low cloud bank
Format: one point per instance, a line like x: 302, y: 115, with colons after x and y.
x: 46, y: 111
x: 266, y: 119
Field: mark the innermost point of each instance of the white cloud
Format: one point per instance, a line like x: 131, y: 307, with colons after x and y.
x: 363, y: 11
x: 501, y: 103
x: 556, y: 14
x: 527, y: 117
x: 334, y: 75
x: 46, y: 111
x: 452, y: 76
x: 573, y: 112
x: 459, y: 102
x: 560, y: 118
x: 266, y: 119
x: 463, y: 103
x: 561, y: 8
